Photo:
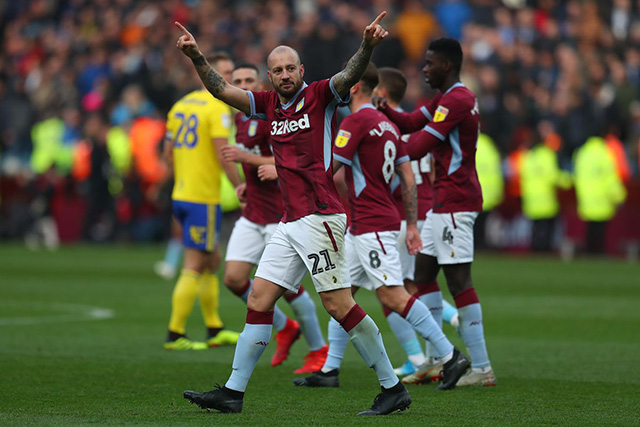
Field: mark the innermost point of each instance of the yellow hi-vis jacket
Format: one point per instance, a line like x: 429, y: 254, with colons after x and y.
x: 539, y: 179
x: 488, y: 165
x: 598, y: 186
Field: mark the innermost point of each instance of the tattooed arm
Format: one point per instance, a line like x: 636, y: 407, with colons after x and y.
x: 373, y: 35
x: 213, y: 81
x: 410, y: 202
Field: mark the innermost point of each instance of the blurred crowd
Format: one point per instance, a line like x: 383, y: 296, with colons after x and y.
x: 85, y: 86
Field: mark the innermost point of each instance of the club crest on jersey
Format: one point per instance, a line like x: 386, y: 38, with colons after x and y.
x: 342, y: 139
x: 253, y: 128
x: 441, y: 114
x: 300, y: 105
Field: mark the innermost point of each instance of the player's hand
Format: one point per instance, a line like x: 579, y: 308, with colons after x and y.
x: 232, y: 154
x: 380, y: 102
x: 187, y: 43
x: 241, y: 192
x: 267, y: 173
x: 374, y: 33
x: 414, y: 242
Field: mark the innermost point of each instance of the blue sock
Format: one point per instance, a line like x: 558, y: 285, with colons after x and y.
x: 279, y: 318
x: 406, y: 337
x: 251, y: 344
x: 433, y: 301
x: 338, y: 340
x: 422, y: 321
x: 366, y: 338
x: 174, y: 252
x: 448, y: 312
x: 472, y: 334
x: 471, y: 329
x: 305, y: 311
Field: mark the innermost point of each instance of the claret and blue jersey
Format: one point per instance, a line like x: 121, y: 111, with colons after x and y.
x: 369, y: 144
x: 301, y: 135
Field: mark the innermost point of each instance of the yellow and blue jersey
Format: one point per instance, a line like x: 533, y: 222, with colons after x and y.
x: 193, y: 122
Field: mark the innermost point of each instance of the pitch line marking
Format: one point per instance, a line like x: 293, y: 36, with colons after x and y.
x: 68, y: 313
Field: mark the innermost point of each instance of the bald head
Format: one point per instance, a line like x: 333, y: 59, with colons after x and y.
x: 283, y: 50
x: 285, y: 72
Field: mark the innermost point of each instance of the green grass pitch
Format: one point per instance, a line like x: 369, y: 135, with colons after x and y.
x: 563, y: 340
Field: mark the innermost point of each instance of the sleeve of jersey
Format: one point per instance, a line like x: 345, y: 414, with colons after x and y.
x: 401, y: 153
x: 408, y: 122
x: 170, y: 126
x: 258, y: 101
x: 220, y: 121
x: 431, y: 107
x: 446, y: 117
x: 420, y: 143
x: 346, y: 142
x: 334, y: 93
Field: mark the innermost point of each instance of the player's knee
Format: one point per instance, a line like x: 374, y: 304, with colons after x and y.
x: 233, y: 280
x: 390, y: 298
x: 458, y: 277
x: 427, y: 269
x: 257, y: 302
x: 410, y: 286
x: 337, y: 305
x: 458, y: 286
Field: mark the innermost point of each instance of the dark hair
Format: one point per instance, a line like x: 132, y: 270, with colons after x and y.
x: 248, y: 65
x: 448, y: 49
x: 216, y: 57
x: 369, y: 79
x: 394, y: 82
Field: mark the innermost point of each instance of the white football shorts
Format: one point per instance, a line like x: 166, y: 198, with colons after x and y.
x: 314, y: 243
x: 248, y: 240
x: 407, y: 261
x: 374, y: 260
x: 449, y: 236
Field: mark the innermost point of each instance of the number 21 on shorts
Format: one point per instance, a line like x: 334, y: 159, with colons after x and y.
x: 316, y: 269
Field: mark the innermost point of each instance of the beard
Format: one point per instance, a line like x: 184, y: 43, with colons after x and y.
x: 290, y: 90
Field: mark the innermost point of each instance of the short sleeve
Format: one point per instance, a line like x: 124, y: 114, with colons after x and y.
x: 401, y: 152
x: 326, y: 92
x: 258, y: 102
x: 430, y: 109
x: 220, y: 121
x: 449, y: 113
x: 347, y: 141
x: 171, y: 126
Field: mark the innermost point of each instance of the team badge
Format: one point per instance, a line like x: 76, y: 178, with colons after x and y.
x: 197, y: 234
x: 300, y: 105
x: 343, y: 138
x: 253, y: 128
x: 441, y: 114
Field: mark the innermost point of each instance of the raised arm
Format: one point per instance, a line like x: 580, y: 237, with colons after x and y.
x: 372, y: 36
x: 213, y: 81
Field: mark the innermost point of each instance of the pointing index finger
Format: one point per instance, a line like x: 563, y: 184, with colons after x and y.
x: 379, y: 18
x: 183, y: 29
